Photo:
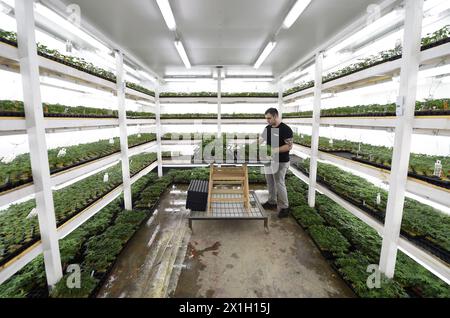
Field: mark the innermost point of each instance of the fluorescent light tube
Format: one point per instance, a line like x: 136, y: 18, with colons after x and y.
x: 131, y: 71
x: 146, y: 76
x: 295, y: 12
x: 377, y: 26
x: 182, y: 52
x: 267, y: 50
x: 164, y: 7
x: 71, y: 28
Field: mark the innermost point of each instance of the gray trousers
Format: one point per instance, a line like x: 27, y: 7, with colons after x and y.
x: 275, y: 177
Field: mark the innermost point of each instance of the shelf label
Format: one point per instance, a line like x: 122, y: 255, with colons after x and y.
x: 400, y: 109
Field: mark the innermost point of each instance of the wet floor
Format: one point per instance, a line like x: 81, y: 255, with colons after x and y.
x: 221, y: 258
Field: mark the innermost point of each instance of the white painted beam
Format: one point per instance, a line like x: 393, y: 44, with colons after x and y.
x: 123, y: 131
x: 29, y: 69
x: 403, y: 133
x: 315, y: 130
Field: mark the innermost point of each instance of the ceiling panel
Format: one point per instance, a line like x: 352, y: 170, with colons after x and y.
x: 218, y: 32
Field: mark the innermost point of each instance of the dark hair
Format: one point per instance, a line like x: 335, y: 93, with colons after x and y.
x: 272, y: 111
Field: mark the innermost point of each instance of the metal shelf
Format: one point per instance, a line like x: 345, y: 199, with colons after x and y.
x: 9, y: 60
x: 17, y: 125
x: 17, y: 263
x: 421, y: 256
x: 62, y: 177
x: 423, y: 189
x: 376, y: 74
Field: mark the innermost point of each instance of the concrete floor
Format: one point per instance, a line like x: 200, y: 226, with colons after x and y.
x: 239, y: 259
x: 221, y: 259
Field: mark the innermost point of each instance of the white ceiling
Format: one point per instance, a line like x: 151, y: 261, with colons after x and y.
x: 219, y: 32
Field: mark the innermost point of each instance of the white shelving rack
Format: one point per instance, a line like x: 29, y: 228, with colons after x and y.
x: 14, y: 60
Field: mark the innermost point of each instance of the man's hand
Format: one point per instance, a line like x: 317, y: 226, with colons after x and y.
x: 290, y: 143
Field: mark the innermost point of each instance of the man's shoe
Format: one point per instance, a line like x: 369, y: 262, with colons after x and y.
x: 269, y: 206
x: 284, y: 213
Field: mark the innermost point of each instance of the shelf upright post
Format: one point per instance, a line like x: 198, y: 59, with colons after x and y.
x: 315, y: 130
x: 158, y: 128
x: 403, y: 133
x: 219, y: 102
x: 123, y: 131
x: 280, y: 98
x: 29, y: 69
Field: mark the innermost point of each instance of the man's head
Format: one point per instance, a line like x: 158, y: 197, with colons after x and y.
x: 272, y: 116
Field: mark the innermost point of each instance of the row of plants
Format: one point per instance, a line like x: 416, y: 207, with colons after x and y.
x: 231, y: 152
x: 14, y: 108
x: 94, y: 246
x: 420, y: 166
x: 423, y: 108
x: 213, y: 116
x: 72, y: 61
x: 351, y: 246
x: 421, y: 223
x: 18, y: 171
x: 205, y: 136
x: 19, y: 226
x: 214, y: 94
x: 434, y: 39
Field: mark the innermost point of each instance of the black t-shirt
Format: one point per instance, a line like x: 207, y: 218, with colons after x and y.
x: 282, y: 132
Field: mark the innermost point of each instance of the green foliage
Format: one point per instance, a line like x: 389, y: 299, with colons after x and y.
x: 307, y: 216
x: 329, y: 239
x: 418, y: 163
x: 428, y: 41
x: 87, y: 286
x: 18, y: 171
x: 353, y: 268
x: 16, y: 230
x: 75, y: 62
x: 412, y: 276
x: 214, y: 94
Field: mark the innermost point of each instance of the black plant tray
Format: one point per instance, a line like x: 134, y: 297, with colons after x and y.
x: 61, y: 61
x: 60, y: 115
x: 6, y: 187
x: 436, y: 250
x: 102, y: 277
x: 12, y: 43
x: 12, y: 114
x: 434, y: 44
x: 433, y: 180
x: 305, y: 88
x: 68, y: 115
x: 393, y: 58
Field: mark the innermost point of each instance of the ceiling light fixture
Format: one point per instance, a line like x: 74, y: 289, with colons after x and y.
x: 267, y: 50
x: 164, y: 7
x: 182, y: 52
x: 295, y: 12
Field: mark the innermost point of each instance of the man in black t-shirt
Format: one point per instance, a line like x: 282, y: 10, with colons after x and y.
x: 279, y: 136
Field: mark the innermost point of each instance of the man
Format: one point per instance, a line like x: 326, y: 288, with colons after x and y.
x: 279, y: 136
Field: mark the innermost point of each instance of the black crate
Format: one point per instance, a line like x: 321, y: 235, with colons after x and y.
x: 197, y: 198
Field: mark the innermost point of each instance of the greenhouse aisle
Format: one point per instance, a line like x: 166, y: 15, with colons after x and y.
x: 220, y: 259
